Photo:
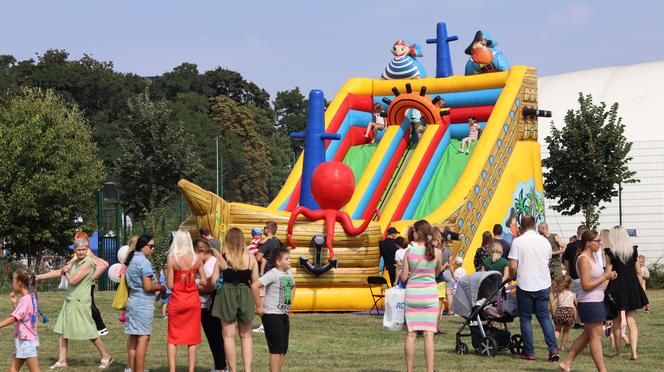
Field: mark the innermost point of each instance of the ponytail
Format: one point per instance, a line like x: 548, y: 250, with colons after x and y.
x: 29, y: 280
x: 497, y: 252
x: 142, y: 241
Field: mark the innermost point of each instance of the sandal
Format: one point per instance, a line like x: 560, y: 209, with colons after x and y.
x: 59, y: 365
x: 106, y: 363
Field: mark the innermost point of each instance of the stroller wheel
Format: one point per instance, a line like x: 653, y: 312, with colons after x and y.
x: 488, y: 347
x: 461, y: 348
x: 516, y: 344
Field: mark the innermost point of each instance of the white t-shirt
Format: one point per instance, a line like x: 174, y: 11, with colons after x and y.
x: 533, y: 253
x: 208, y: 267
x: 400, y: 254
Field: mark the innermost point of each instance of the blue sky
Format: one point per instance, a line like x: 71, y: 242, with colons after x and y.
x: 315, y: 44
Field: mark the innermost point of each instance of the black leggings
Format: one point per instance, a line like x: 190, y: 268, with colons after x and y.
x: 96, y: 315
x: 212, y: 328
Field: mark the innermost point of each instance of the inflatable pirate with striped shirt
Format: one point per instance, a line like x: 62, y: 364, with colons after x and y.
x: 404, y: 65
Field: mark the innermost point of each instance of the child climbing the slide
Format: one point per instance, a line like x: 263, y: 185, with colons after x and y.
x: 473, y: 134
x: 377, y: 121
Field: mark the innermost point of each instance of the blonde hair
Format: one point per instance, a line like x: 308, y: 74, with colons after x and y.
x: 181, y: 245
x: 235, y: 249
x: 132, y: 242
x: 621, y: 243
x: 497, y: 251
x: 604, y: 235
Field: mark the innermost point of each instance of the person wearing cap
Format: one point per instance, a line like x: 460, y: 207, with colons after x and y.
x: 388, y: 248
x: 484, y: 57
x: 256, y: 240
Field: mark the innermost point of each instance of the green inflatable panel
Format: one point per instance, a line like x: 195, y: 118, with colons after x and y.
x: 357, y: 158
x: 447, y: 174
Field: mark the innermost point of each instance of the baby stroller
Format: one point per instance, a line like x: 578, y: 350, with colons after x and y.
x: 475, y: 294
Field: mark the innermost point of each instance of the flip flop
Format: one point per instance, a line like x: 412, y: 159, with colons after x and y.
x: 59, y: 365
x: 105, y: 363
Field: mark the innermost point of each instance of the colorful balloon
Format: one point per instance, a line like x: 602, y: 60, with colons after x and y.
x: 122, y: 253
x: 114, y: 272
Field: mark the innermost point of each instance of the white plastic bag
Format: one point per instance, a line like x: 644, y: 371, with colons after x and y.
x: 394, y: 317
x: 63, y: 283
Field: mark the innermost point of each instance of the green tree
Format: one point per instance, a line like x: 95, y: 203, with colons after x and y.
x: 588, y: 158
x: 223, y: 82
x: 244, y: 151
x: 290, y: 108
x: 156, y: 153
x: 49, y: 171
x: 191, y: 109
x: 100, y: 92
x: 183, y: 79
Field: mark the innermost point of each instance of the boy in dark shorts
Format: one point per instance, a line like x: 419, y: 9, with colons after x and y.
x: 274, y: 307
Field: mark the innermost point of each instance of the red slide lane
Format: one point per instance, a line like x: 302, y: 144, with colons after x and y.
x: 387, y: 176
x: 421, y: 168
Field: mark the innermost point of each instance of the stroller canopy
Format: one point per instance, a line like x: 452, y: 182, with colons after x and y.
x: 474, y: 287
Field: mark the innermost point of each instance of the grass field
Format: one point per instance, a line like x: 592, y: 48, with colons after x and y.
x: 340, y: 342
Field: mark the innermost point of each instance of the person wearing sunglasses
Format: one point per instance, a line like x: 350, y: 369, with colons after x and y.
x: 140, y: 304
x: 591, y: 307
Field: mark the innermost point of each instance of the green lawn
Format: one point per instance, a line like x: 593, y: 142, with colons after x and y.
x: 333, y: 341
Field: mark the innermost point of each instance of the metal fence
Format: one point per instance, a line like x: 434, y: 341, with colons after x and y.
x: 642, y: 203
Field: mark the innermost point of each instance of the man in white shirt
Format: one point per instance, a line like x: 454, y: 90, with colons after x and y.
x: 529, y: 260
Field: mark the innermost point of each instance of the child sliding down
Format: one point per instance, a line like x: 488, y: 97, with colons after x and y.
x: 377, y: 121
x: 473, y: 135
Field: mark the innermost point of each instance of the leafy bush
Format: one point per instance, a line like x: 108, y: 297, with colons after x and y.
x: 656, y: 280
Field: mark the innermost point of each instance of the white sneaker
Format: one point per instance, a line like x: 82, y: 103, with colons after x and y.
x: 260, y: 329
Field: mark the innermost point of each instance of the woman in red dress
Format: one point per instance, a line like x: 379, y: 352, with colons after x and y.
x: 184, y: 309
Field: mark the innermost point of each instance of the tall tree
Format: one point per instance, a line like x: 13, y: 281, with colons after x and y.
x: 49, y: 170
x: 156, y: 153
x: 290, y: 108
x: 183, y: 79
x: 223, y: 82
x: 192, y: 110
x: 244, y: 151
x: 588, y: 158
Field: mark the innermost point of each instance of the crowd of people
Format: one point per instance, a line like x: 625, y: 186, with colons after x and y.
x: 595, y: 282
x: 218, y: 292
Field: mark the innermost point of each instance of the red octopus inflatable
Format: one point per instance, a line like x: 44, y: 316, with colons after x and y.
x: 332, y: 187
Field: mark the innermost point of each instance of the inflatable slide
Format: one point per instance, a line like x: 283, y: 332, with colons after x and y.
x: 403, y: 177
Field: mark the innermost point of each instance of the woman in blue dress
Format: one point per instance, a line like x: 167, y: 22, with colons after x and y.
x: 140, y: 304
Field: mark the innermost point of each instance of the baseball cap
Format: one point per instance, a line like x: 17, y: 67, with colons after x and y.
x: 392, y: 230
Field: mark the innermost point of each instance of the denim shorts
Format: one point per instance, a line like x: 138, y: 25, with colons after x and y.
x: 592, y: 312
x: 26, y: 349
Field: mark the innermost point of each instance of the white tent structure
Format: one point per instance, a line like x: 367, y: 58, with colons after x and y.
x: 639, y: 90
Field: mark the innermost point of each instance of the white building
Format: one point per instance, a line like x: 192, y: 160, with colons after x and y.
x: 639, y: 90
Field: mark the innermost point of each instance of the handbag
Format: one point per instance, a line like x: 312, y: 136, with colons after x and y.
x: 611, y: 306
x: 395, y: 316
x: 122, y: 295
